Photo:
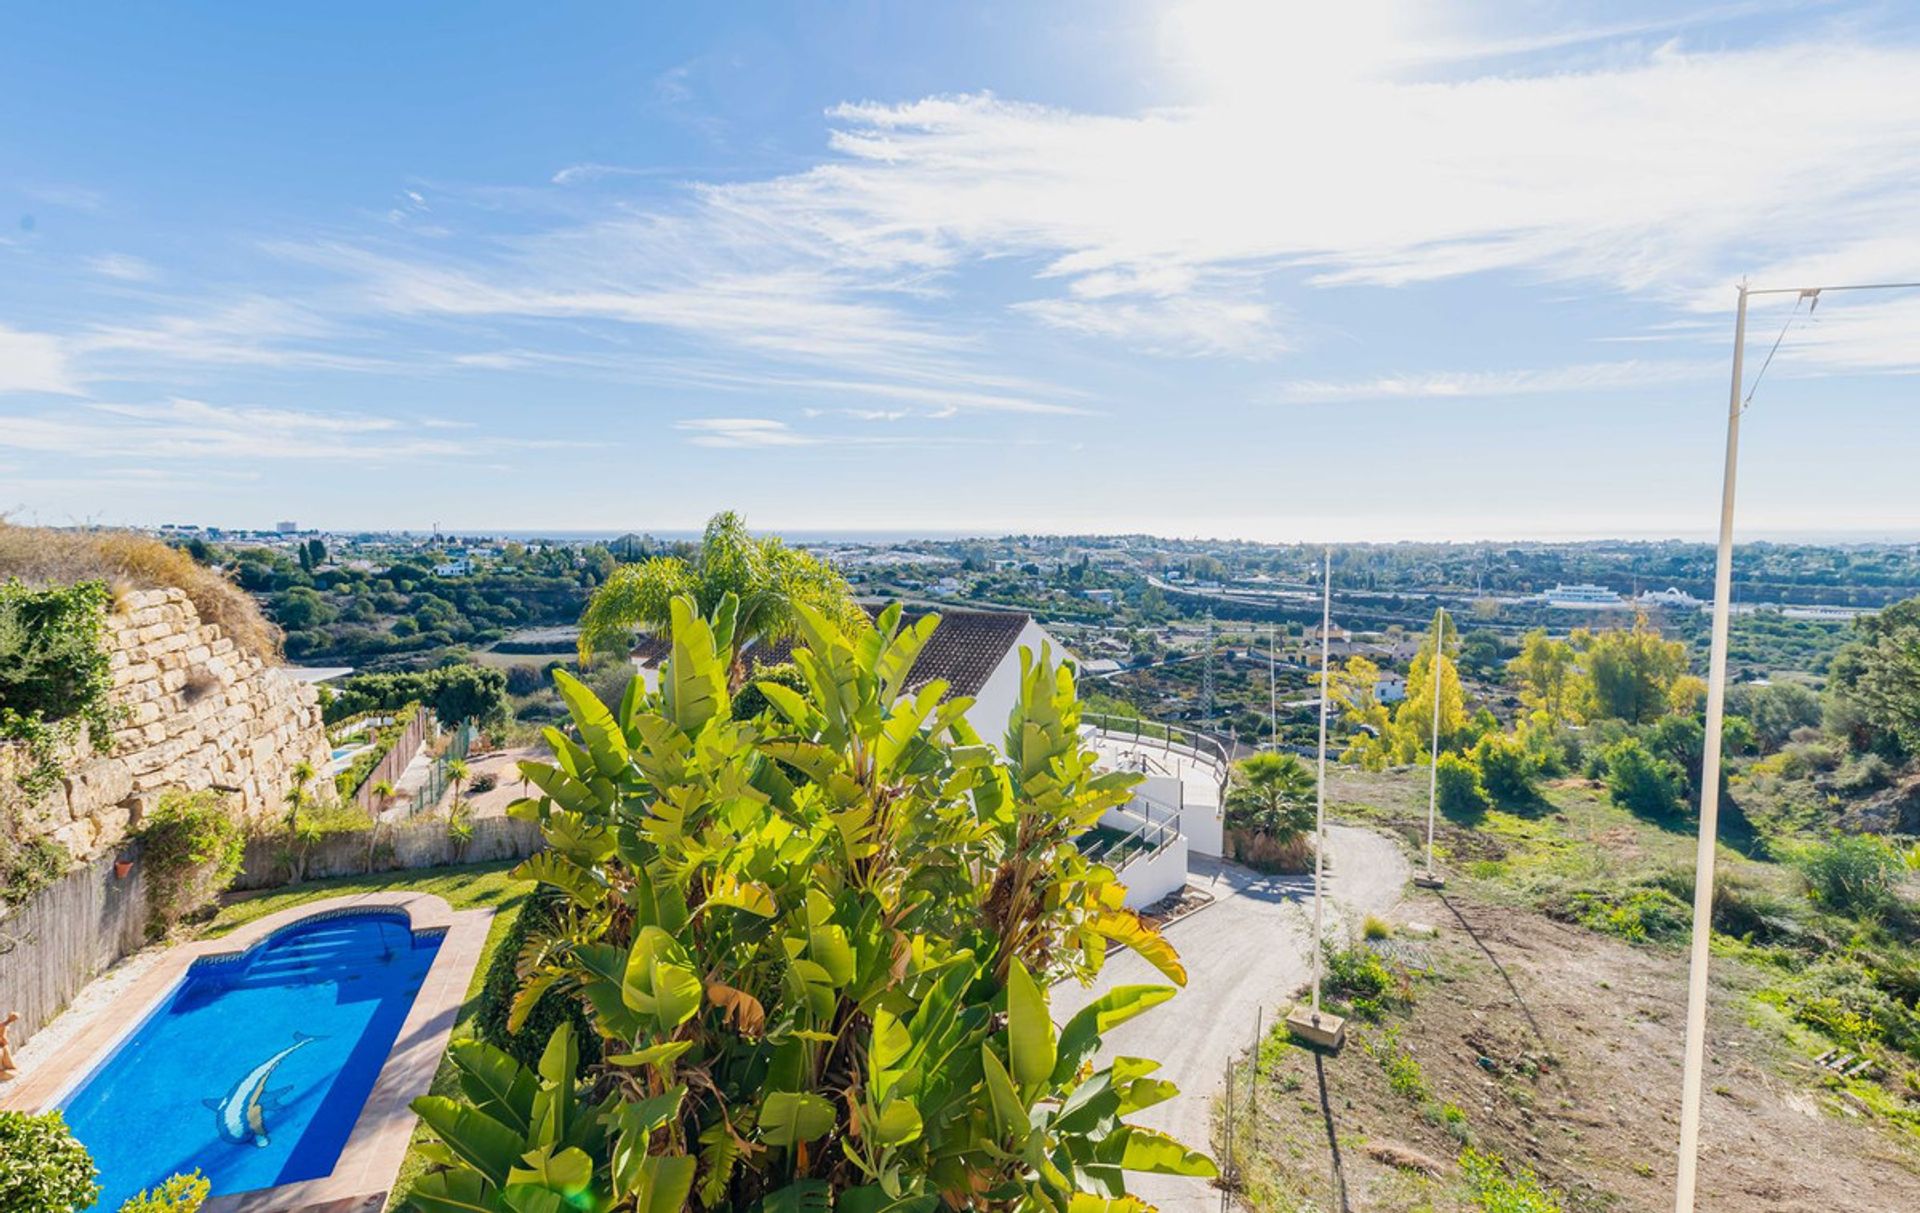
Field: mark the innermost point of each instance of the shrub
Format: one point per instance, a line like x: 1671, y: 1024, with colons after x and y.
x: 1642, y: 784
x: 1376, y: 927
x: 1495, y: 1189
x: 1356, y: 976
x: 1461, y: 795
x: 179, y: 1194
x: 192, y: 848
x: 54, y: 679
x: 539, y: 920
x: 1507, y: 770
x: 27, y: 867
x: 483, y: 783
x: 1854, y: 874
x: 1638, y: 915
x: 42, y: 1168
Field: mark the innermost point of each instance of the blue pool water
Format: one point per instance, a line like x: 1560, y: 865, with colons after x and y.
x: 304, y: 1021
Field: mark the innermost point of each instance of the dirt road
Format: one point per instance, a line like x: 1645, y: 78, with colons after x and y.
x: 1245, y: 955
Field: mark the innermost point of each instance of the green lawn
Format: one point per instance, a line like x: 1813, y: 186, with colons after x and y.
x: 480, y: 886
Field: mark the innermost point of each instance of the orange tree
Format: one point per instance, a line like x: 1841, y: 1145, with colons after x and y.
x: 817, y: 946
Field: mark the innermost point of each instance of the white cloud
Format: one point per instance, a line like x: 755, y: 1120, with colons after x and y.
x: 34, y: 362
x: 123, y: 267
x: 1427, y: 385
x: 196, y: 430
x: 742, y: 432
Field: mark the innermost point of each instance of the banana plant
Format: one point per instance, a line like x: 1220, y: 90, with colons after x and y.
x: 817, y: 946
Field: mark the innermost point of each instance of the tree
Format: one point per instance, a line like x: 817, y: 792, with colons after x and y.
x: 816, y: 946
x: 457, y: 778
x: 771, y: 582
x: 1875, y: 682
x: 1775, y: 710
x: 1410, y: 739
x: 1508, y: 770
x: 1272, y: 793
x: 1459, y: 793
x: 1628, y: 673
x: 1641, y: 783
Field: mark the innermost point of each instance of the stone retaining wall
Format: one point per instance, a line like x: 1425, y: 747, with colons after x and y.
x: 200, y: 712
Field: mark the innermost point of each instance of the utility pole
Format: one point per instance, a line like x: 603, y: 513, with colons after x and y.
x: 1325, y: 1030
x: 1431, y: 880
x: 1206, y: 675
x: 1273, y: 688
x: 1699, y: 953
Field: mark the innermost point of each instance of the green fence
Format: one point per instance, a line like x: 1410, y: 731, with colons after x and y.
x: 459, y: 741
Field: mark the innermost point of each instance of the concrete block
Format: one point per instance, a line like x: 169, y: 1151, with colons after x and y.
x: 1323, y: 1030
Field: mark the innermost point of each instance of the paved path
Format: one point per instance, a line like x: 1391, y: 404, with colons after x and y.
x: 1245, y: 954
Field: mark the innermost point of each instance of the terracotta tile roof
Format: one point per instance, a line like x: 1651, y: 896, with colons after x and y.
x: 965, y: 649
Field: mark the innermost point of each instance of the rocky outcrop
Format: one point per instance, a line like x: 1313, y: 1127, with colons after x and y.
x: 197, y: 712
x: 1894, y: 810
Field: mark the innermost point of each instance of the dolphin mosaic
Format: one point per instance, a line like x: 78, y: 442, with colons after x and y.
x: 241, y: 1115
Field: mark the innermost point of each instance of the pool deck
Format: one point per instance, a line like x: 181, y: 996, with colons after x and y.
x: 378, y: 1142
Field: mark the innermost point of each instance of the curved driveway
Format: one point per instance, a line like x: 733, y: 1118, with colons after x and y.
x: 1245, y: 954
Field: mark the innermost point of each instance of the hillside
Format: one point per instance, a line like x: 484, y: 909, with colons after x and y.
x: 1541, y: 1032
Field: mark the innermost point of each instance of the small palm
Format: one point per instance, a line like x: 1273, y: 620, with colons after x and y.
x: 1273, y: 793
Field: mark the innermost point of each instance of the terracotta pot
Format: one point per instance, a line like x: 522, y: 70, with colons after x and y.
x: 121, y: 867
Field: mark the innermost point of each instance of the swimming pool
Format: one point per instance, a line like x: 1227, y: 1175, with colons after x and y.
x: 255, y: 1067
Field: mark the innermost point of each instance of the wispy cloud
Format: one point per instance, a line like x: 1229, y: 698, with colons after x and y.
x: 196, y: 430
x: 123, y: 267
x: 1445, y: 385
x: 34, y: 362
x: 736, y: 432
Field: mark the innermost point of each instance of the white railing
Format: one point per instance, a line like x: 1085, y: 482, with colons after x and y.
x: 1174, y: 746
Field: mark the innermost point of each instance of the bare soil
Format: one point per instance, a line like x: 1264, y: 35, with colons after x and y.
x: 1562, y: 1047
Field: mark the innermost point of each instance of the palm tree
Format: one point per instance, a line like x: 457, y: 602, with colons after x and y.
x: 301, y: 775
x: 383, y: 794
x: 1273, y: 794
x: 457, y: 776
x: 770, y: 579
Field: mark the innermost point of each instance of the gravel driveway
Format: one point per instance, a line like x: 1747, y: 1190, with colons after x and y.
x: 1245, y: 954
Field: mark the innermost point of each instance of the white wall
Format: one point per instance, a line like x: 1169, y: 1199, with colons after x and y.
x: 1001, y: 692
x: 1150, y: 879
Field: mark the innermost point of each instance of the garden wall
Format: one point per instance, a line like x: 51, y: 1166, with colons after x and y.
x: 66, y: 935
x: 418, y: 844
x: 199, y: 712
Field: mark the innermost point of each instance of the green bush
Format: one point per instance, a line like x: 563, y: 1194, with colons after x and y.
x: 179, y: 1194
x: 1508, y: 770
x: 1462, y: 797
x: 1357, y: 977
x: 1495, y: 1189
x: 42, y: 1168
x: 192, y: 848
x: 1854, y: 874
x: 1638, y: 915
x: 1641, y: 783
x: 27, y: 867
x: 539, y: 919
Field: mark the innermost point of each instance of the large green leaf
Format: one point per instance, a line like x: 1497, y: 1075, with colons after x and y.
x: 1150, y: 1151
x: 567, y: 1171
x: 598, y: 729
x: 550, y: 867
x: 453, y: 1192
x: 789, y: 1117
x: 496, y: 1083
x: 693, y: 682
x: 480, y: 1141
x: 1029, y: 1031
x: 1080, y: 1039
x: 1124, y: 926
x: 658, y: 982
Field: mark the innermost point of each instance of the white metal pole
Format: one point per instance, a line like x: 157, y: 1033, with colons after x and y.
x: 1273, y: 691
x: 1709, y: 797
x: 1433, y: 761
x: 1320, y: 785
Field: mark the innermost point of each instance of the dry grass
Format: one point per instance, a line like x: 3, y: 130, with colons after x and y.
x: 126, y: 561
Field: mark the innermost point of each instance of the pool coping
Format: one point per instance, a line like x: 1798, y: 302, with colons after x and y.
x: 377, y: 1144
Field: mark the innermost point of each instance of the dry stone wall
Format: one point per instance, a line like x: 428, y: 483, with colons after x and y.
x: 198, y: 712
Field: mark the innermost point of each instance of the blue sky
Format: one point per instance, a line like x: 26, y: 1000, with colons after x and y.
x: 1256, y: 270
